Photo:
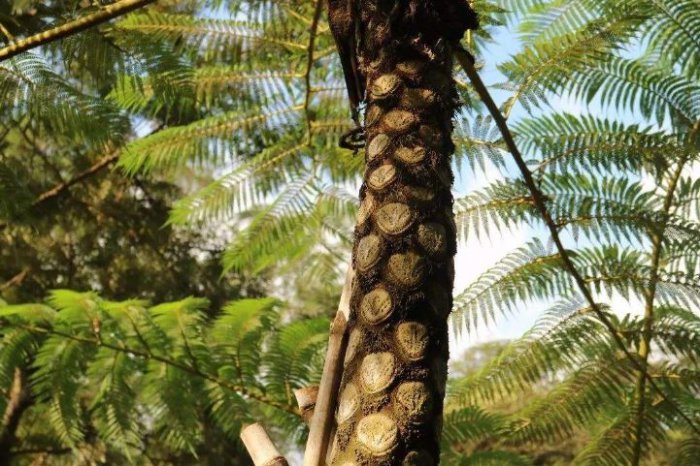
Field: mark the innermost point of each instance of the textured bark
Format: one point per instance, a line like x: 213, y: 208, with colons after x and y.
x: 391, y: 397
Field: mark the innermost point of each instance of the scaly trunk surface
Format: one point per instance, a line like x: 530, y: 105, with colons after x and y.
x: 391, y: 397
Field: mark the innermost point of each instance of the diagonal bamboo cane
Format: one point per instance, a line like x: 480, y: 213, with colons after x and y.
x: 77, y: 25
x: 319, y: 401
x: 261, y: 449
x: 322, y: 420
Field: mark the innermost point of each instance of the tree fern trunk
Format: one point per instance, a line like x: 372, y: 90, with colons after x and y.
x: 391, y: 398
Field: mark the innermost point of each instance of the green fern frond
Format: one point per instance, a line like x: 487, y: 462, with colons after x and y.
x: 31, y: 88
x: 674, y: 33
x: 292, y: 361
x: 58, y: 364
x: 469, y: 425
x: 176, y: 400
x: 478, y: 144
x: 562, y: 142
x: 243, y: 187
x: 531, y: 273
x: 565, y: 338
x: 555, y: 18
x: 615, y: 443
x: 634, y: 85
x: 574, y: 403
x: 202, y: 140
x: 494, y: 458
x: 237, y: 84
x: 220, y: 38
x: 114, y: 406
x: 276, y: 232
x: 508, y: 282
x: 238, y: 336
x: 677, y: 331
x: 501, y: 205
x: 548, y: 65
x: 17, y: 346
x: 686, y: 452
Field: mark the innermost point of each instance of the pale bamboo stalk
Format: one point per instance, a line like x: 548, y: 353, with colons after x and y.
x: 322, y: 421
x: 306, y: 399
x: 260, y: 448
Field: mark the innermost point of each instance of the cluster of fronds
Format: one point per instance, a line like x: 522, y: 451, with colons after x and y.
x: 250, y: 91
x: 123, y: 374
x: 624, y: 199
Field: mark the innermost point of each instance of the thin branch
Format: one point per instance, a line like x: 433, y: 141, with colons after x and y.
x: 321, y: 425
x: 467, y: 62
x: 72, y: 27
x: 42, y: 451
x: 62, y: 187
x: 16, y: 280
x: 32, y: 142
x: 6, y: 33
x: 94, y: 169
x: 18, y: 402
x: 648, y: 329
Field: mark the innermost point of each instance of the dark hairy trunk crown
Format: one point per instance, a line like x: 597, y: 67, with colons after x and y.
x: 391, y: 397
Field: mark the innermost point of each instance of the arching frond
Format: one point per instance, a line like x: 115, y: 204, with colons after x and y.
x: 245, y: 185
x: 636, y: 86
x: 203, y: 140
x: 122, y: 370
x: 548, y: 65
x: 563, y: 142
x: 220, y: 38
x: 565, y: 338
x: 574, y: 403
x: 673, y: 32
x: 615, y: 443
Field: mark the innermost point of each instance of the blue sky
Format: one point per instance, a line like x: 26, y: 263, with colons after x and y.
x: 475, y: 256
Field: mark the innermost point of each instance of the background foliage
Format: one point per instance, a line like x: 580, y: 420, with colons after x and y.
x: 223, y: 117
